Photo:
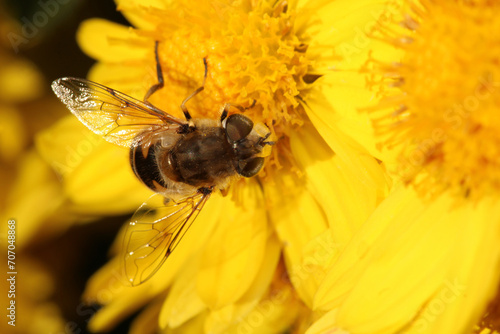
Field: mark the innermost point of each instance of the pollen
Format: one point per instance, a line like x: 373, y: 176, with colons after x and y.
x: 440, y: 102
x: 256, y: 61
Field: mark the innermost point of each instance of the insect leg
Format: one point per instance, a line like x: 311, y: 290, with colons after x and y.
x: 206, y: 190
x: 159, y: 74
x: 262, y: 140
x: 199, y: 89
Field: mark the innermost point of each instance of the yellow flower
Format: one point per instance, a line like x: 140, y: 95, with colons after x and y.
x: 31, y: 191
x: 442, y: 123
x: 253, y: 260
x: 426, y: 261
x: 20, y: 82
x: 30, y: 194
x: 33, y: 288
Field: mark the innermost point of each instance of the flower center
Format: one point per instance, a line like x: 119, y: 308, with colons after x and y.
x: 256, y: 60
x: 444, y: 96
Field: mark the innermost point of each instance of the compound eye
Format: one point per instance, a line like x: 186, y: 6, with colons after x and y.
x: 238, y: 127
x: 251, y: 167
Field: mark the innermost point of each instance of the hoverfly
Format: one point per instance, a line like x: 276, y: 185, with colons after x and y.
x: 183, y: 161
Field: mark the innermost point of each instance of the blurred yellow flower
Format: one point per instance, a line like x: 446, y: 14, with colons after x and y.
x: 31, y: 191
x: 442, y: 122
x: 33, y: 289
x: 30, y: 194
x: 426, y: 261
x: 254, y: 259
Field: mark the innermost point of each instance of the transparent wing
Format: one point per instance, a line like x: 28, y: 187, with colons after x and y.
x: 119, y: 118
x: 154, y: 231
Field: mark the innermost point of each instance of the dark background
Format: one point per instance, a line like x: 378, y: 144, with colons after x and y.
x: 55, y: 51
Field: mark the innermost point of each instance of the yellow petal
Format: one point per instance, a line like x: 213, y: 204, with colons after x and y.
x: 109, y: 287
x: 127, y: 302
x: 120, y: 299
x: 125, y: 78
x: 33, y: 293
x: 334, y: 196
x: 348, y: 185
x: 193, y: 326
x: 114, y: 44
x: 235, y: 250
x: 218, y: 321
x: 274, y: 314
x: 337, y: 107
x: 147, y: 320
x: 341, y: 30
x: 13, y: 137
x: 97, y: 175
x: 326, y: 324
x: 46, y: 317
x: 104, y: 182
x: 20, y: 81
x: 129, y: 8
x: 182, y: 302
x: 472, y: 278
x: 398, y: 204
x: 107, y: 284
x: 342, y: 92
x: 36, y: 195
x: 412, y: 259
x: 297, y: 221
x: 66, y: 144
